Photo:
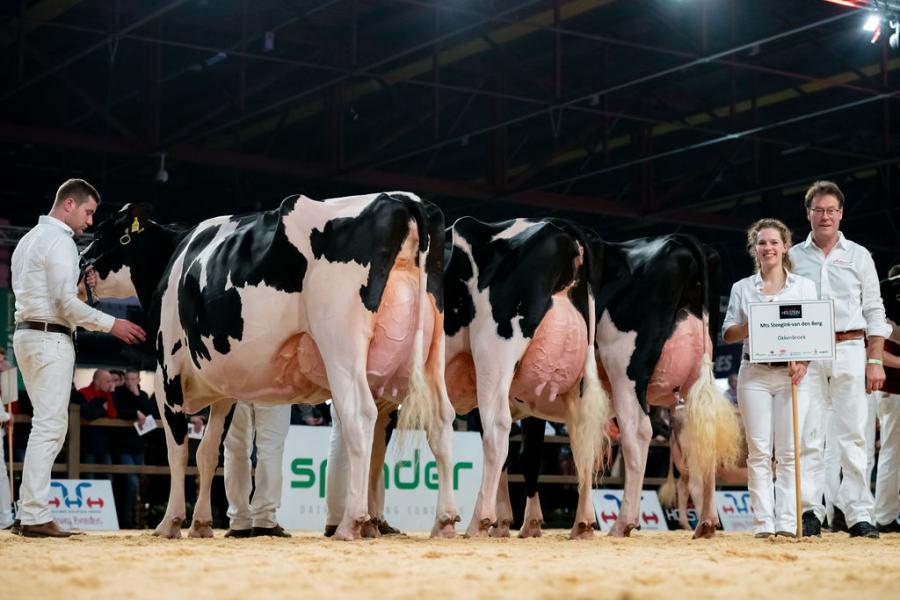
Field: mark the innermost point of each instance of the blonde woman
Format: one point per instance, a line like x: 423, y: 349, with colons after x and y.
x: 764, y: 389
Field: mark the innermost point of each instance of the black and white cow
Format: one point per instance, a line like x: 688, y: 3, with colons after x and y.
x: 658, y: 303
x: 339, y: 298
x: 520, y: 331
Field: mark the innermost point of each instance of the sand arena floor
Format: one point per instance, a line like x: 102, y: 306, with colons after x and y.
x: 661, y: 566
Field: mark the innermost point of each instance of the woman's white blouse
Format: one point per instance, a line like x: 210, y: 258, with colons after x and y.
x: 749, y: 290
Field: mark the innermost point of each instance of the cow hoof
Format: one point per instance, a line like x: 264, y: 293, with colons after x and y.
x: 169, y: 528
x: 582, y: 531
x: 705, y: 530
x: 347, y: 533
x: 622, y: 530
x: 445, y: 527
x: 369, y: 529
x: 201, y: 529
x: 501, y: 530
x: 531, y: 528
x: 479, y: 529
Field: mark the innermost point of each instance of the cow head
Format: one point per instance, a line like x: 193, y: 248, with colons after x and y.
x: 120, y: 248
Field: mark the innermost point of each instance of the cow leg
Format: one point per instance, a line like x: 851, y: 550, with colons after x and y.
x: 440, y: 440
x: 706, y: 526
x: 583, y: 528
x: 207, y: 461
x: 175, y: 427
x: 504, y: 508
x: 356, y: 407
x: 530, y: 455
x: 376, y: 472
x: 494, y: 377
x: 440, y: 435
x: 635, y: 429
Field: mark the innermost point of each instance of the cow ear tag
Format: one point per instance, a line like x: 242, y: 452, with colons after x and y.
x: 136, y: 226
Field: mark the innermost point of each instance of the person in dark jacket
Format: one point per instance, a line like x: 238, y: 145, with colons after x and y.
x: 133, y: 405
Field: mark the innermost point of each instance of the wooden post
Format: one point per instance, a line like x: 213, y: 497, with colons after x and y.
x: 74, y: 454
x: 796, y: 421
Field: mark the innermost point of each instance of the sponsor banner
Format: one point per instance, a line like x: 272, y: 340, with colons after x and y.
x: 693, y: 516
x: 410, y: 477
x: 735, y: 511
x: 83, y: 504
x: 607, y: 503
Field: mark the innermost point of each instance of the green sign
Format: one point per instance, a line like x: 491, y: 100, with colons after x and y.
x: 403, y: 475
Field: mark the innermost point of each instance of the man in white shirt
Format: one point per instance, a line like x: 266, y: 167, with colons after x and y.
x: 843, y: 271
x: 45, y: 284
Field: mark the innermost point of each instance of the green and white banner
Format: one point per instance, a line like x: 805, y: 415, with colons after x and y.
x: 410, y: 477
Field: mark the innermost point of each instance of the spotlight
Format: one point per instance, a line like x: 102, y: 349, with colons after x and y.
x: 872, y: 23
x: 162, y: 175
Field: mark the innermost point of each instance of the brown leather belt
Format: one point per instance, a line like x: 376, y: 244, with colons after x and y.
x: 771, y: 365
x: 853, y: 334
x: 42, y: 326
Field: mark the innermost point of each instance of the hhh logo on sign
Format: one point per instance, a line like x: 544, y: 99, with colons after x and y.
x: 738, y: 505
x: 790, y: 311
x: 77, y: 500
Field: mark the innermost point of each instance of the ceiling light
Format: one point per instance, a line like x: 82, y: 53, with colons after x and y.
x: 872, y: 23
x: 162, y: 175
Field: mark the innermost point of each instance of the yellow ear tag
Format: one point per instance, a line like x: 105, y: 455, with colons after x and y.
x: 136, y: 226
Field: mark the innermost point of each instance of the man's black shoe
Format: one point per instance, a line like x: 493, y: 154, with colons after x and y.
x: 237, y: 533
x: 837, y: 521
x: 864, y: 529
x: 892, y: 527
x: 276, y: 531
x: 811, y: 524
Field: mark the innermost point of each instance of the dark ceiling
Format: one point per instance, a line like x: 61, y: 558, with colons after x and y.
x: 636, y: 117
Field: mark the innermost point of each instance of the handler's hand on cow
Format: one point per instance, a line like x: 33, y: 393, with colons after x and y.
x: 798, y: 372
x: 874, y: 378
x: 90, y: 278
x: 128, y: 332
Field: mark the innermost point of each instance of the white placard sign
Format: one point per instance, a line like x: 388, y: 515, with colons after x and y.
x: 784, y: 331
x: 83, y: 504
x: 735, y: 510
x: 411, y: 480
x: 608, y: 501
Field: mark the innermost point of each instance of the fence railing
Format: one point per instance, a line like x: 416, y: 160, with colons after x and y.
x: 73, y: 467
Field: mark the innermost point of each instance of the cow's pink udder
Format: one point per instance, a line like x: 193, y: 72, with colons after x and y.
x: 679, y: 363
x: 390, y: 351
x: 554, y: 360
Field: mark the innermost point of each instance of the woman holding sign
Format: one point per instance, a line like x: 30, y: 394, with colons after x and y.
x: 764, y: 389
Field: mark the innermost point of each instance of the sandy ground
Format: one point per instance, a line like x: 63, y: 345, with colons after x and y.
x: 662, y: 566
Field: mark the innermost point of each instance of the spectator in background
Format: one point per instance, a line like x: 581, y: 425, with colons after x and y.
x: 97, y: 404
x: 731, y: 392
x: 118, y: 378
x: 132, y: 405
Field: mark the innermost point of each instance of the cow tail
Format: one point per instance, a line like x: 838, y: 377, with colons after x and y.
x: 712, y: 434
x: 592, y: 411
x: 418, y: 410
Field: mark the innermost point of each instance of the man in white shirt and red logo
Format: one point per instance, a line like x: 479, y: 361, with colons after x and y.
x: 45, y: 284
x: 845, y: 272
